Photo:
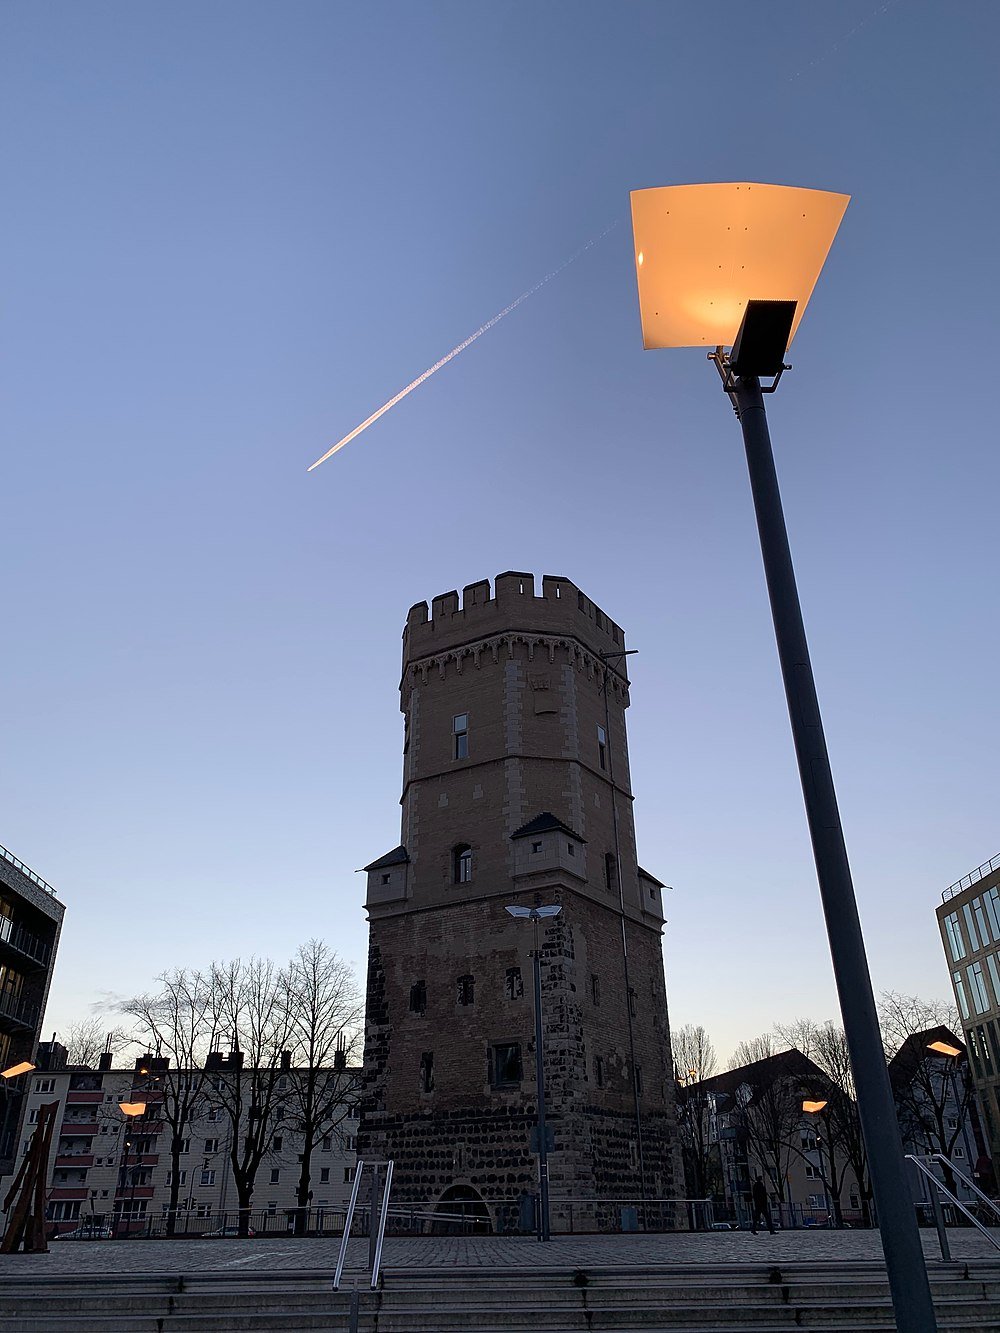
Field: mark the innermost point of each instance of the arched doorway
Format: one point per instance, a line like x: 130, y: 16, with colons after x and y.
x: 461, y: 1210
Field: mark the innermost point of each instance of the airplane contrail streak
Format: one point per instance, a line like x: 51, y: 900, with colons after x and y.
x: 432, y: 370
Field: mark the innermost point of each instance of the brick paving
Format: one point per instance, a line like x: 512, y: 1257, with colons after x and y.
x: 319, y: 1255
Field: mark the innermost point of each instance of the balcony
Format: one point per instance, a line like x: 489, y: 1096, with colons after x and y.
x: 23, y: 942
x: 134, y: 1192
x: 17, y: 1012
x: 69, y: 1192
x: 27, y: 871
x: 84, y: 1097
x: 78, y: 1129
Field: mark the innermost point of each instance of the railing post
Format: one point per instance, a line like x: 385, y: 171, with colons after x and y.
x: 939, y: 1223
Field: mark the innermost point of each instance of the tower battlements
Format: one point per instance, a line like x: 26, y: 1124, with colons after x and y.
x: 561, y: 609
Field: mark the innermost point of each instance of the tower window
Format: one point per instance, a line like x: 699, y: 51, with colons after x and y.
x: 386, y: 879
x: 632, y: 1007
x: 460, y: 732
x: 418, y: 997
x: 595, y: 988
x: 599, y: 1070
x: 610, y: 868
x: 602, y: 747
x: 505, y: 1064
x: 536, y: 846
x: 462, y: 864
x: 571, y: 849
x: 514, y: 986
x: 427, y: 1071
x: 466, y: 989
x: 638, y: 1079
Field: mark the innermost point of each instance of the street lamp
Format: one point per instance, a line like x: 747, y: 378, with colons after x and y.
x: 734, y: 265
x: 534, y: 915
x: 952, y: 1054
x: 131, y: 1111
x: 25, y: 1067
x: 817, y: 1108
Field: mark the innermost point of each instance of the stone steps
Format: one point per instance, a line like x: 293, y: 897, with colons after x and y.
x: 735, y: 1298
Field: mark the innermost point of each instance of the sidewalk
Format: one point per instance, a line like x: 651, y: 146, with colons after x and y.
x: 429, y: 1252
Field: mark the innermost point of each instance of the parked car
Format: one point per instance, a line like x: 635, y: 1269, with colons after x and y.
x: 225, y: 1231
x: 103, y: 1231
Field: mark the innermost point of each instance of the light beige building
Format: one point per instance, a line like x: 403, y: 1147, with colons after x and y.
x: 110, y: 1172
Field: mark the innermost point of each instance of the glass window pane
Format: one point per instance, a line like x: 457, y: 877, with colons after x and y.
x: 970, y: 926
x: 963, y: 1003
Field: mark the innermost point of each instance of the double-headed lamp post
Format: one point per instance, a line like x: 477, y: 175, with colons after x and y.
x: 534, y: 915
x: 733, y: 266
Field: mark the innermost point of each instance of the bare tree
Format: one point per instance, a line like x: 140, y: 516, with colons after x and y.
x: 326, y: 1018
x: 749, y: 1052
x: 826, y: 1045
x: 250, y: 1003
x: 694, y: 1061
x: 88, y: 1038
x: 176, y: 1025
x: 929, y: 1089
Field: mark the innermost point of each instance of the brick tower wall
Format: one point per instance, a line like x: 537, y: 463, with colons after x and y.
x: 528, y: 675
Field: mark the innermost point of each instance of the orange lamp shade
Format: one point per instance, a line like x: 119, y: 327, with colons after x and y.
x: 132, y: 1108
x: 703, y: 251
x: 943, y: 1048
x: 23, y: 1068
x: 811, y: 1108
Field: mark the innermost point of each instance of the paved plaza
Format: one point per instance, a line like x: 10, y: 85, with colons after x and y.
x: 429, y: 1252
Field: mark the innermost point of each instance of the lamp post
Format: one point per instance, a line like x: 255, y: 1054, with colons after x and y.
x: 534, y: 915
x: 817, y: 1108
x: 734, y: 265
x: 952, y: 1055
x: 131, y: 1111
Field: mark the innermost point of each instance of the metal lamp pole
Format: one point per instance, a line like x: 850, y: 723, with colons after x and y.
x: 534, y: 915
x: 904, y: 1257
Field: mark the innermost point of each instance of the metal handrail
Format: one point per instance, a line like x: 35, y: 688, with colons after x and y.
x: 942, y: 1188
x: 376, y: 1235
x: 973, y: 877
x: 990, y: 1203
x: 26, y: 870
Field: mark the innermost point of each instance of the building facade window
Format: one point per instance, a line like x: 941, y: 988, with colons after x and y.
x: 461, y: 868
x: 959, y: 985
x: 460, y: 735
x: 595, y: 988
x: 991, y: 901
x: 602, y: 747
x: 970, y: 927
x: 954, y: 932
x: 276, y: 1143
x: 427, y: 1071
x: 599, y: 1070
x: 324, y: 1175
x: 610, y: 871
x: 980, y: 915
x: 513, y: 985
x: 211, y: 1145
x: 275, y: 1175
x: 466, y: 989
x: 207, y: 1178
x: 505, y: 1064
x: 418, y: 997
x: 977, y: 988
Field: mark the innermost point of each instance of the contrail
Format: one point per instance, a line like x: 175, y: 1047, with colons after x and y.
x: 460, y: 348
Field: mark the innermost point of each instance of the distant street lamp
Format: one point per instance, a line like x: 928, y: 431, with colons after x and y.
x: 734, y: 265
x: 952, y: 1055
x: 534, y: 915
x: 817, y: 1108
x: 131, y: 1111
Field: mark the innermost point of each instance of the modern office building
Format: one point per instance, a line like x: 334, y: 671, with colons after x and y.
x: 30, y: 920
x: 516, y: 792
x: 969, y: 921
x: 109, y: 1172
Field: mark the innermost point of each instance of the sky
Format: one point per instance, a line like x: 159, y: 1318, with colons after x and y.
x: 232, y: 231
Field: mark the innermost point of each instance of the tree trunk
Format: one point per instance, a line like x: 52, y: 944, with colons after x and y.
x: 302, y: 1193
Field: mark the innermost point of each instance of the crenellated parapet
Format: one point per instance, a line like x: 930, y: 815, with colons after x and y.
x: 561, y: 610
x: 548, y: 648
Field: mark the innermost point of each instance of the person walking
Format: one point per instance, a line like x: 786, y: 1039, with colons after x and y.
x: 761, y: 1207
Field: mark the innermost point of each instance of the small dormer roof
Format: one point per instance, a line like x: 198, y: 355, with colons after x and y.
x: 397, y: 857
x: 544, y: 823
x: 652, y: 878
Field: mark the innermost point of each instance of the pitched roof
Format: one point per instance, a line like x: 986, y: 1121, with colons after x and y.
x: 652, y: 878
x: 397, y: 857
x: 903, y: 1065
x: 543, y: 823
x: 761, y: 1073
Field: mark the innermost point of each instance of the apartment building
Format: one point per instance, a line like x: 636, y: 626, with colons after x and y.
x: 109, y: 1170
x: 969, y: 922
x: 30, y: 920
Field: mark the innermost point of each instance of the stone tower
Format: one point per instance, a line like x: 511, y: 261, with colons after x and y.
x: 516, y: 790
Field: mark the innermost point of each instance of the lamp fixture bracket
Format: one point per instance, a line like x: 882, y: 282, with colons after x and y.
x: 728, y: 376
